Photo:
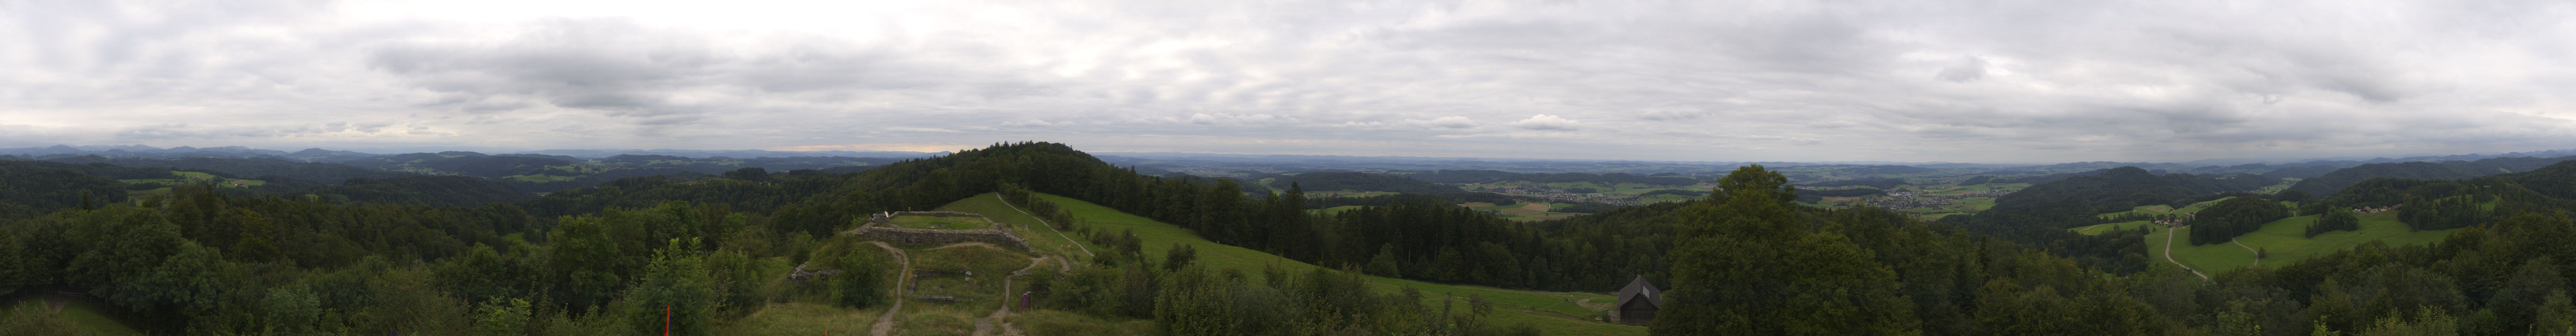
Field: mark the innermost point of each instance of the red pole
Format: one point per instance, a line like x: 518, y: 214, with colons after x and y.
x: 666, y: 320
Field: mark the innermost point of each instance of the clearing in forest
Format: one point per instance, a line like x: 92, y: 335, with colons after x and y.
x: 2284, y: 242
x: 1552, y: 312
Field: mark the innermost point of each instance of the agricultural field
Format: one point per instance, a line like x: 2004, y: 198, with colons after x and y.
x: 1348, y: 193
x: 1931, y: 202
x: 2109, y: 227
x: 1554, y: 313
x: 1524, y: 211
x: 940, y: 222
x: 1043, y: 239
x: 2161, y: 209
x: 1617, y: 194
x: 2282, y: 240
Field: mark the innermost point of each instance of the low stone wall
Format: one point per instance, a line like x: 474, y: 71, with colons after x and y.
x: 880, y: 227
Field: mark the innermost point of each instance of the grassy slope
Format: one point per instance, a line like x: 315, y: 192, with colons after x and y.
x: 88, y: 315
x: 1042, y: 239
x: 2101, y: 228
x: 1553, y: 313
x: 2282, y: 239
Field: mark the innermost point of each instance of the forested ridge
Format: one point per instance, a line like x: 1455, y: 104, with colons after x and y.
x: 1743, y: 260
x: 2335, y: 181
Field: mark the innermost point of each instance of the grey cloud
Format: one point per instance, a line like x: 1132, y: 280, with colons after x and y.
x: 1970, y: 70
x: 1727, y: 80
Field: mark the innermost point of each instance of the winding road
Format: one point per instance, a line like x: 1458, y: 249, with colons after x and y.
x: 2169, y: 233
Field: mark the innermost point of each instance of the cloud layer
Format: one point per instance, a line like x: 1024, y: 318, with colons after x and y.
x: 1727, y: 80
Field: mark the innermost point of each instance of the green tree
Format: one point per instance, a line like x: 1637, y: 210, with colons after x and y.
x: 862, y: 279
x: 1179, y: 256
x: 679, y: 288
x: 1747, y: 264
x: 291, y: 310
x: 501, y: 317
x: 1384, y: 263
x: 2555, y: 316
x: 2427, y: 322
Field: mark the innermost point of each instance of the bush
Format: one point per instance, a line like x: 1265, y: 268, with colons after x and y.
x: 862, y: 276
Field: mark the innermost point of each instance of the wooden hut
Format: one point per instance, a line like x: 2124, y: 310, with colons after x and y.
x: 1637, y: 302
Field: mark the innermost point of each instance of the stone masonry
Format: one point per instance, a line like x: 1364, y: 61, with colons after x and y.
x: 880, y: 226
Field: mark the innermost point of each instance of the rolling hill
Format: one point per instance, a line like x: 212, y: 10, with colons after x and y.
x: 2335, y: 181
x: 1555, y: 313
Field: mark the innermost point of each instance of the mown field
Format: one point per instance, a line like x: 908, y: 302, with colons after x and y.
x: 1524, y: 211
x: 1552, y: 312
x: 2283, y: 241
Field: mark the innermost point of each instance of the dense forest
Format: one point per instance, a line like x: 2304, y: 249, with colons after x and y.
x: 2234, y: 217
x: 1745, y: 259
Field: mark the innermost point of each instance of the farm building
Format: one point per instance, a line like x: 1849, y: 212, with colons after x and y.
x: 1638, y: 302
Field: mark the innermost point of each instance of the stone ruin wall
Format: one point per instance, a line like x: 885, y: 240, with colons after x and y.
x: 880, y: 226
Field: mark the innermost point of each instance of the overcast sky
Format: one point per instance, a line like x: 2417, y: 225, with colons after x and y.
x: 1953, y: 81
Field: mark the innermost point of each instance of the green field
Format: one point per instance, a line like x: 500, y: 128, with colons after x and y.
x: 1336, y: 210
x: 1043, y: 239
x: 1553, y: 313
x: 1524, y: 211
x: 2285, y: 244
x: 940, y: 222
x: 2108, y: 227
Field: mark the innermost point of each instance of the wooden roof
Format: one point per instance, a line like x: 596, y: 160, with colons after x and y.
x: 1638, y: 289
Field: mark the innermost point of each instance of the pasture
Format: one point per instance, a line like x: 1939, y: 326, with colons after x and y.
x: 2283, y: 240
x: 1553, y: 313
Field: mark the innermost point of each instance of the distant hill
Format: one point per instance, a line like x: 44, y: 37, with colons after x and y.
x: 37, y: 187
x: 427, y: 190
x: 2301, y: 172
x: 2330, y: 183
x: 1360, y: 181
x: 691, y: 153
x: 249, y: 167
x: 2076, y: 200
x: 1488, y: 176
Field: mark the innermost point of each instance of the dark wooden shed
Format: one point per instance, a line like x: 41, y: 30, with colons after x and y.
x: 1638, y: 302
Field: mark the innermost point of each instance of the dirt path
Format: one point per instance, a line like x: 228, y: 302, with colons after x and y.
x: 2169, y: 233
x: 1049, y: 226
x: 988, y: 324
x: 885, y: 323
x: 2258, y: 255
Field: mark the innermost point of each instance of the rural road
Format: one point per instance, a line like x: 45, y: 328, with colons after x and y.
x: 2258, y: 255
x: 2169, y: 233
